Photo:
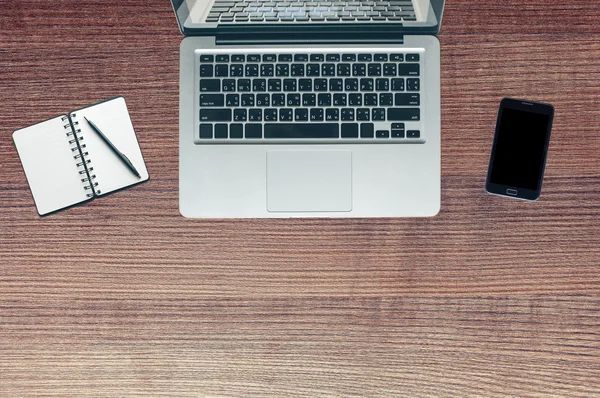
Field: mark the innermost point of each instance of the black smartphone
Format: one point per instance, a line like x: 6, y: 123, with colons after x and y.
x: 520, y: 147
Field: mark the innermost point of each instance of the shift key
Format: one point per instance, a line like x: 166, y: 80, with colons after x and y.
x: 213, y: 99
x: 401, y: 114
x: 215, y: 115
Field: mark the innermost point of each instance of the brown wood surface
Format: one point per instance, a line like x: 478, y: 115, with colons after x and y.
x: 124, y: 297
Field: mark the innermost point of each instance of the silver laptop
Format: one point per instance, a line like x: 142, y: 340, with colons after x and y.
x: 297, y: 108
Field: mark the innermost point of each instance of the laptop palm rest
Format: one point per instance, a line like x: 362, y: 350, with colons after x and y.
x: 309, y: 181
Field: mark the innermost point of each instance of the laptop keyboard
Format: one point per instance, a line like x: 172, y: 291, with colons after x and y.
x: 328, y: 97
x: 307, y: 11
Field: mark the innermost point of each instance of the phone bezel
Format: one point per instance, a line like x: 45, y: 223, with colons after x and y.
x: 530, y: 107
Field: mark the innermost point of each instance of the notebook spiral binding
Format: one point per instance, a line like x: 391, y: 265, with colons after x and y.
x: 75, y: 140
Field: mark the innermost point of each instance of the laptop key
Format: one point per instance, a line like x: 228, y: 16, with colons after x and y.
x: 301, y: 130
x: 397, y: 84
x: 206, y: 131
x: 332, y: 114
x: 263, y: 100
x: 297, y: 70
x: 378, y: 114
x: 270, y: 115
x: 355, y: 99
x: 221, y: 71
x: 374, y: 69
x: 301, y: 115
x: 407, y: 99
x: 324, y: 99
x: 251, y: 70
x: 207, y: 85
x: 215, y: 115
x: 412, y: 57
x: 408, y: 70
x: 220, y: 131
x: 293, y: 99
x: 386, y: 99
x: 397, y: 133
x: 339, y: 99
x: 403, y: 114
x: 247, y: 100
x: 236, y: 130
x: 232, y: 100
x: 289, y: 84
x: 320, y: 85
x: 278, y: 99
x: 274, y: 84
x: 240, y: 115
x: 301, y: 57
x: 304, y: 84
x: 206, y: 58
x: 382, y: 134
x: 382, y: 84
x: 253, y: 130
x: 313, y: 70
x: 255, y: 115
x: 366, y: 84
x: 212, y: 100
x: 367, y: 130
x: 285, y: 115
x: 348, y: 114
x: 282, y: 70
x: 259, y: 85
x: 236, y: 70
x: 371, y: 100
x: 309, y: 99
x: 389, y: 69
x: 316, y: 114
x: 413, y: 85
x: 349, y: 130
x: 413, y: 134
x: 362, y: 114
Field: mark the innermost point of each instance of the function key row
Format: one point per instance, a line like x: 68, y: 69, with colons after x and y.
x: 206, y: 58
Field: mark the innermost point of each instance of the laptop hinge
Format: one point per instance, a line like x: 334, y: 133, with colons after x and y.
x: 323, y: 35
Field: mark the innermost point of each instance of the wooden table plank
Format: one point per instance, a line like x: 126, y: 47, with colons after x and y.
x: 124, y: 297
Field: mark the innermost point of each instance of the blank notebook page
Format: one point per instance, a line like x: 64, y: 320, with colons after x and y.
x: 112, y: 118
x: 51, y: 171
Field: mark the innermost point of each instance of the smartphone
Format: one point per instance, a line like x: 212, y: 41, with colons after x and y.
x: 520, y: 147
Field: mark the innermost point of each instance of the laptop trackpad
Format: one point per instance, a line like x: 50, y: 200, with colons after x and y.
x: 309, y: 181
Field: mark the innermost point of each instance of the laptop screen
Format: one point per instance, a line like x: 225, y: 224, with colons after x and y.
x: 415, y: 16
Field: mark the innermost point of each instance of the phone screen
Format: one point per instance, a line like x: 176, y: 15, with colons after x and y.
x: 520, y: 146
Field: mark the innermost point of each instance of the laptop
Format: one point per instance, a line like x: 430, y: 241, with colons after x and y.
x: 302, y: 108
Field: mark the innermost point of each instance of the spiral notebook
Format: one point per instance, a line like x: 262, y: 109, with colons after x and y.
x: 66, y: 162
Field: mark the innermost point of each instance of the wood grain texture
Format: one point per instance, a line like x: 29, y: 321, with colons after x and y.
x: 124, y: 297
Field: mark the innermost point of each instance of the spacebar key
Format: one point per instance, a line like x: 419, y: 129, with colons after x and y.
x: 302, y: 130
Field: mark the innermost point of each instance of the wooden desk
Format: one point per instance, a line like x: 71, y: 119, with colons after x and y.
x: 124, y: 297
